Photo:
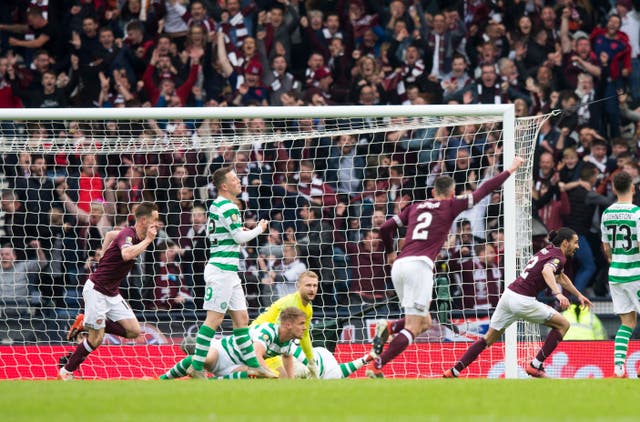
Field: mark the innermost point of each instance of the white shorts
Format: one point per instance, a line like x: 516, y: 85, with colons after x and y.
x: 625, y: 297
x: 223, y: 291
x: 328, y: 365
x: 98, y: 307
x: 413, y: 281
x: 513, y: 306
x: 224, y: 365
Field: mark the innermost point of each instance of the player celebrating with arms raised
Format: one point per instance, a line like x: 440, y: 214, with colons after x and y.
x: 104, y: 308
x: 223, y: 289
x: 620, y: 231
x: 428, y: 224
x: 544, y: 270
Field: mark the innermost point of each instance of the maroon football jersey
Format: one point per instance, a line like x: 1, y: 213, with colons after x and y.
x: 429, y: 222
x: 112, y: 269
x: 530, y: 282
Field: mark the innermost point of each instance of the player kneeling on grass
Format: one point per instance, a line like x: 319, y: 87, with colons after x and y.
x: 327, y: 366
x: 306, y: 290
x: 225, y: 358
x: 544, y: 270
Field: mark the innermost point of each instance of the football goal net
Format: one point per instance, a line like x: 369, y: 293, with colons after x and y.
x: 325, y: 177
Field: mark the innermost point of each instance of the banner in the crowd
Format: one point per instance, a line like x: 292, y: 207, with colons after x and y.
x: 572, y: 359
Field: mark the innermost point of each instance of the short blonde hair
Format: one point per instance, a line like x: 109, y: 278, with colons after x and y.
x: 307, y: 274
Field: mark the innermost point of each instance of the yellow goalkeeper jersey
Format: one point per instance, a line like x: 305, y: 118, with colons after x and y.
x: 272, y: 315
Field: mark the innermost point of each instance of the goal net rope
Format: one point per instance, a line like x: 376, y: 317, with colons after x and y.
x: 325, y: 177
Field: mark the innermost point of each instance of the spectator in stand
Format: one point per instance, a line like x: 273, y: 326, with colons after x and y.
x: 315, y: 239
x: 630, y: 25
x: 278, y: 24
x: 369, y: 271
x: 41, y: 34
x: 583, y: 203
x: 87, y: 185
x: 487, y: 89
x: 137, y: 48
x: 577, y: 56
x: 239, y: 24
x: 279, y: 276
x: 321, y: 35
x: 197, y: 17
x: 147, y: 13
x: 456, y: 80
x: 37, y: 193
x: 633, y: 169
x: 346, y: 165
x: 13, y: 226
x: 7, y: 97
x: 550, y: 203
x: 598, y: 157
x: 194, y: 252
x: 174, y: 24
x: 612, y: 47
x: 53, y: 93
x: 252, y: 91
x: 312, y: 188
x: 179, y: 215
x: 170, y: 291
x: 279, y: 80
x: 167, y: 88
x: 16, y: 293
x: 478, y: 277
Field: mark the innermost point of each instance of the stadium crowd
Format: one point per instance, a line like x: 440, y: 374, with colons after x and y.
x: 326, y: 197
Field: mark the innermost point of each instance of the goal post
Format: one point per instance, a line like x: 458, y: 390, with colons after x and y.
x: 160, y: 154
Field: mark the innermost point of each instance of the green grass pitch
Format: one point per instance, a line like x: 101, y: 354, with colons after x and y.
x: 308, y: 400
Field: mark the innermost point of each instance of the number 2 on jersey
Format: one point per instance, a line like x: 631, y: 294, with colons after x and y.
x: 420, y: 232
x: 532, y: 262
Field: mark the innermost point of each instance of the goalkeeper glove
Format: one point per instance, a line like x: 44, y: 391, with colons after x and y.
x: 313, y: 369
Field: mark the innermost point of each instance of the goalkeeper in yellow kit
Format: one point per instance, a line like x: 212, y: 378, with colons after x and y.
x: 307, y: 286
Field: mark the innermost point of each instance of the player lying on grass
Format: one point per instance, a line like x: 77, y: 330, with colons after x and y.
x: 307, y: 288
x: 327, y: 365
x: 225, y: 357
x: 544, y: 270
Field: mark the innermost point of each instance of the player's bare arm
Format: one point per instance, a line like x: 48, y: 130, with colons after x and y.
x: 607, y: 251
x: 132, y: 252
x: 287, y: 363
x: 517, y: 162
x: 550, y: 279
x: 567, y: 285
x: 260, y: 351
x: 108, y: 238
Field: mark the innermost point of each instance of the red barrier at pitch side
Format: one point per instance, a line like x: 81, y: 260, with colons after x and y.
x: 572, y: 359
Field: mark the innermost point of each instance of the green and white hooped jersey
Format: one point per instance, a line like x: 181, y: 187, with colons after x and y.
x: 267, y: 334
x: 322, y: 363
x: 620, y: 226
x: 224, y: 218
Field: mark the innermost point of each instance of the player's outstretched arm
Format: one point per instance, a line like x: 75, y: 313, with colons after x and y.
x: 515, y: 165
x: 567, y: 285
x: 492, y: 184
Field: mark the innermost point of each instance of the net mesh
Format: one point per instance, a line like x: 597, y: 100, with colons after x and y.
x: 325, y: 184
x: 527, y: 129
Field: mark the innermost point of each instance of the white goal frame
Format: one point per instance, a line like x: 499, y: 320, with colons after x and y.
x: 506, y: 111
